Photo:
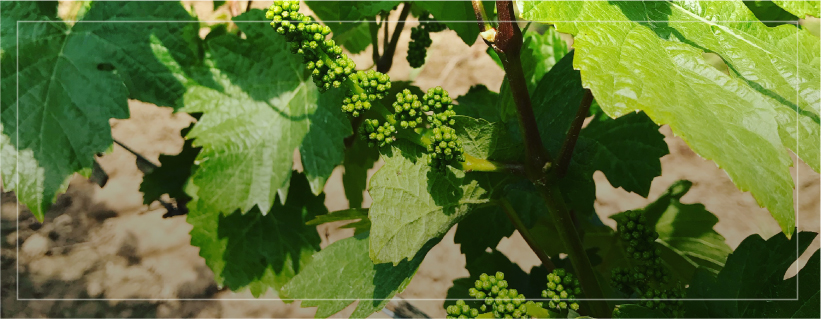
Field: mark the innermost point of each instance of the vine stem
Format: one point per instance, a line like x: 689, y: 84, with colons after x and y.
x: 566, y: 230
x: 508, y: 44
x: 566, y: 152
x: 374, y: 30
x: 520, y: 226
x: 481, y: 15
x: 386, y: 61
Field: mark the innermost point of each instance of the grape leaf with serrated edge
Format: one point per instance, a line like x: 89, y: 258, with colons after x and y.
x: 413, y: 204
x: 255, y: 250
x: 172, y: 175
x: 755, y: 270
x: 801, y: 9
x: 342, y: 273
x: 63, y: 123
x: 750, y: 114
x: 248, y: 132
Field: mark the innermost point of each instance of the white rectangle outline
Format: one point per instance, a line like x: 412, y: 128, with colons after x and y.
x: 795, y: 204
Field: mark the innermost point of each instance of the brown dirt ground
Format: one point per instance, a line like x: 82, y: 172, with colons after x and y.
x: 104, y: 243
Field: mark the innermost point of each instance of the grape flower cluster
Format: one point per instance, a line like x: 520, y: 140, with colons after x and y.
x: 331, y: 68
x: 648, y: 278
x: 493, y: 293
x: 420, y: 39
x: 562, y: 289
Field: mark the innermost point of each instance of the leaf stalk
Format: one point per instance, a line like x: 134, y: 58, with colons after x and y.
x: 566, y: 152
x: 508, y: 45
x: 520, y: 226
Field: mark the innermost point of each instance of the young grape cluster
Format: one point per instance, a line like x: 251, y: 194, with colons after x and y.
x: 461, y: 311
x: 378, y: 134
x: 667, y: 301
x: 639, y: 237
x: 496, y: 298
x: 373, y: 86
x: 331, y: 68
x: 420, y: 39
x: 648, y: 278
x: 493, y: 291
x: 562, y: 289
x: 328, y: 65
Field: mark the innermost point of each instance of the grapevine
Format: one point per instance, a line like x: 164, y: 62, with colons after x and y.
x: 238, y: 180
x: 331, y: 68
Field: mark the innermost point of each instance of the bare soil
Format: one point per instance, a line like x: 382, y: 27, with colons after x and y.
x: 104, y: 243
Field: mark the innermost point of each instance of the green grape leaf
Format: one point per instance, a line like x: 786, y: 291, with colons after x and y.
x: 687, y: 231
x: 24, y: 11
x: 486, y: 140
x: 359, y: 158
x: 248, y: 131
x: 481, y: 230
x: 64, y: 122
x: 479, y: 102
x: 323, y: 147
x: 742, y: 121
x: 630, y: 161
x: 356, y: 39
x: 342, y: 273
x: 255, y: 250
x: 540, y: 52
x: 453, y: 14
x: 801, y: 9
x: 755, y: 270
x: 218, y: 4
x: 363, y: 225
x: 343, y: 17
x: 171, y: 177
x: 627, y: 150
x: 413, y: 204
x: 770, y: 13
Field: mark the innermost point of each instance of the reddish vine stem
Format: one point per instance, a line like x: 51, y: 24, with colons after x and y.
x: 520, y: 226
x: 566, y: 152
x: 508, y: 44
